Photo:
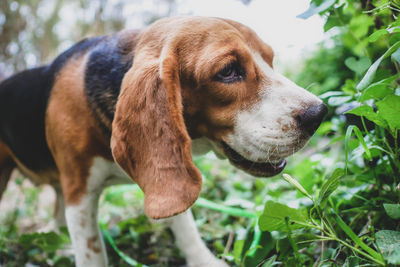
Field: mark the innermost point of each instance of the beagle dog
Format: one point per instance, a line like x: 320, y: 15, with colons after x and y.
x: 135, y: 105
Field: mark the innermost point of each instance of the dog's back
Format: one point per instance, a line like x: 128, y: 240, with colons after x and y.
x: 25, y: 95
x: 23, y: 102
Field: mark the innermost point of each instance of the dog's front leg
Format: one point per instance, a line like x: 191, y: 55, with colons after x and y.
x: 189, y: 242
x: 84, y: 232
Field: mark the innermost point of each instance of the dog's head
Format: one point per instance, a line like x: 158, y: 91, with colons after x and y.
x: 211, y: 78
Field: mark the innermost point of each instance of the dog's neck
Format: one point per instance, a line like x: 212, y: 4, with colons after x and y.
x: 107, y: 64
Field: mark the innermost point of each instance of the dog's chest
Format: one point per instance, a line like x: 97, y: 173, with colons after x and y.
x: 104, y: 173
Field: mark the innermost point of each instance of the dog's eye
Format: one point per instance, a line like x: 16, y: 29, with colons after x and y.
x: 230, y: 73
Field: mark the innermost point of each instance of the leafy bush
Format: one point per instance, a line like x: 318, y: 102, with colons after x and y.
x: 353, y: 217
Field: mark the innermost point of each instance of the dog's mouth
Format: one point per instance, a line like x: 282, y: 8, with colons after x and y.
x: 259, y: 169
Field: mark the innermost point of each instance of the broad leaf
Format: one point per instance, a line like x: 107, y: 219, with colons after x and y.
x: 377, y: 34
x: 273, y: 218
x: 393, y: 210
x: 338, y: 18
x: 360, y: 24
x: 378, y: 90
x: 389, y: 244
x: 329, y: 186
x: 338, y: 100
x: 389, y: 110
x: 369, y: 114
x: 351, y: 261
x: 358, y: 66
x: 314, y: 9
x: 369, y: 76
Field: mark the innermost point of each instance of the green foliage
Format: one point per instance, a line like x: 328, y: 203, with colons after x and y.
x: 362, y: 194
x: 329, y: 187
x: 393, y: 210
x: 276, y: 216
x: 389, y: 244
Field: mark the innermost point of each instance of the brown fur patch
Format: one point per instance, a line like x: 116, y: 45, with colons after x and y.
x: 73, y: 135
x: 93, y: 244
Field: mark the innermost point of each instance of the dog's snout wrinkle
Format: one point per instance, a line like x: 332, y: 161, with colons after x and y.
x: 310, y: 120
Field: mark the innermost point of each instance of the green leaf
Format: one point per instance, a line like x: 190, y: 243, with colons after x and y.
x: 48, y: 242
x: 325, y: 128
x: 378, y: 90
x: 296, y: 184
x: 237, y: 250
x: 337, y: 18
x: 351, y: 261
x: 360, y: 24
x: 396, y: 55
x: 389, y: 110
x: 355, y: 238
x: 329, y: 186
x: 389, y: 244
x: 273, y: 218
x: 358, y: 66
x: 360, y: 138
x: 205, y: 203
x: 338, y: 100
x: 369, y: 76
x: 314, y: 9
x: 270, y: 262
x: 377, y: 34
x: 393, y: 210
x: 368, y: 113
x: 125, y: 257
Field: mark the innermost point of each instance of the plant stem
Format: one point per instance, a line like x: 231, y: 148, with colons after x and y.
x: 292, y: 243
x: 360, y: 252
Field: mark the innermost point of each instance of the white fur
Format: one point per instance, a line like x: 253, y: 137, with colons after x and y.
x: 188, y: 240
x: 84, y: 231
x: 268, y: 130
x: 82, y: 217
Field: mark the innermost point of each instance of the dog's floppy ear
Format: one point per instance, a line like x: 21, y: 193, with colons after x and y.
x: 149, y: 137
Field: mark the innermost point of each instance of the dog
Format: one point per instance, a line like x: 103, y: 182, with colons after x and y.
x: 134, y: 106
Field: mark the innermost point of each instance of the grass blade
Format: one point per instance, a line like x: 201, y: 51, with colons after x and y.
x: 205, y: 203
x: 356, y: 239
x: 329, y: 187
x: 125, y: 257
x: 360, y: 138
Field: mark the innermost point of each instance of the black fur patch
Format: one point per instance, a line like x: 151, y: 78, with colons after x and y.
x: 107, y: 64
x: 23, y: 103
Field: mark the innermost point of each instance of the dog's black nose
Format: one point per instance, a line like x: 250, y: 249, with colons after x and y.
x: 312, y: 118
